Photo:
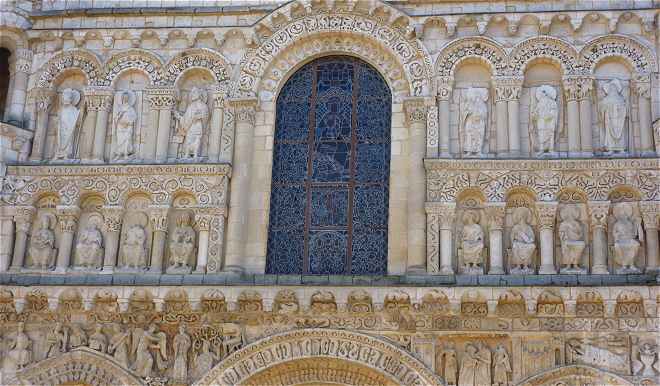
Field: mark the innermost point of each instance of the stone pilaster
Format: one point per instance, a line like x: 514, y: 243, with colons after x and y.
x: 67, y: 219
x: 642, y: 87
x: 216, y: 132
x: 22, y: 63
x: 161, y: 101
x: 447, y: 214
x: 23, y: 218
x: 547, y: 211
x: 586, y: 87
x: 598, y: 211
x: 507, y: 105
x: 99, y: 105
x: 158, y: 220
x: 650, y: 214
x: 43, y: 100
x: 112, y: 216
x: 496, y: 212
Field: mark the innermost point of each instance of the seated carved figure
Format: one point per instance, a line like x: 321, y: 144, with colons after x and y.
x: 134, y: 248
x: 523, y: 242
x: 90, y: 247
x: 571, y: 237
x: 626, y: 235
x: 42, y: 245
x: 182, y: 244
x: 472, y: 243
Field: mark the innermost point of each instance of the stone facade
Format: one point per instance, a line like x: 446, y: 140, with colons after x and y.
x: 137, y: 146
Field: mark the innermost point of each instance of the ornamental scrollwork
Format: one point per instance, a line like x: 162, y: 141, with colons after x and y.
x: 87, y: 62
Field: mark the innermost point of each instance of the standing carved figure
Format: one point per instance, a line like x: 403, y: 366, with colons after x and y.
x: 204, y: 360
x: 119, y: 346
x: 90, y: 247
x: 501, y: 366
x: 124, y: 119
x: 472, y: 243
x: 42, y: 244
x: 193, y: 122
x: 20, y: 352
x: 473, y: 121
x: 182, y: 243
x: 142, y: 346
x: 545, y: 116
x: 627, y: 236
x: 56, y: 340
x: 475, y: 366
x: 135, y: 248
x: 78, y: 337
x: 68, y: 123
x: 182, y: 343
x: 571, y: 236
x: 450, y: 365
x: 523, y: 241
x: 98, y: 341
x: 613, y: 111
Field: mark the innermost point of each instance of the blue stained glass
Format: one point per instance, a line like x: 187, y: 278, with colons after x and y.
x: 329, y: 197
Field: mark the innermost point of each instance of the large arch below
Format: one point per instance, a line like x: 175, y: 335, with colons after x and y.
x: 575, y: 375
x: 355, y: 355
x: 80, y: 366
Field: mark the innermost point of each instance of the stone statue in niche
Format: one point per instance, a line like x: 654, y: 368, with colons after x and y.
x: 571, y: 237
x: 449, y: 365
x: 472, y: 243
x: 68, y: 123
x: 135, y: 248
x: 192, y: 123
x: 473, y: 121
x: 475, y: 365
x: 98, y: 341
x: 118, y: 347
x: 182, y: 245
x: 124, y: 120
x: 204, y: 360
x: 42, y: 243
x: 143, y: 343
x: 544, y: 116
x: 20, y: 352
x: 627, y: 235
x: 181, y: 343
x: 645, y: 365
x: 78, y: 337
x: 613, y: 112
x: 501, y: 366
x: 89, y: 248
x: 523, y: 242
x: 56, y: 340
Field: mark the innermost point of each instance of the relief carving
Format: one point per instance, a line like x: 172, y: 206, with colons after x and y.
x: 627, y: 235
x: 571, y: 236
x: 545, y: 114
x: 523, y: 242
x: 473, y: 121
x: 472, y: 243
x: 42, y: 249
x: 191, y: 125
x: 613, y: 112
x: 69, y: 117
x: 124, y: 120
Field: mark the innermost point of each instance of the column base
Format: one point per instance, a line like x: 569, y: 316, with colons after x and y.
x: 416, y: 270
x: 234, y: 269
x: 547, y: 270
x: 599, y: 270
x: 109, y: 270
x: 200, y: 271
x: 157, y: 271
x: 446, y: 271
x: 496, y: 271
x: 60, y: 270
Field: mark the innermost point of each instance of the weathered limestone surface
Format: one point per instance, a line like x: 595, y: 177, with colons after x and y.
x: 136, y: 155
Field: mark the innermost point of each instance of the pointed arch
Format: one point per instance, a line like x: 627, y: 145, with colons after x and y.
x: 133, y: 59
x: 557, y: 50
x: 575, y: 375
x: 81, y: 365
x: 637, y: 55
x: 480, y: 48
x: 85, y: 61
x: 197, y: 58
x: 352, y: 349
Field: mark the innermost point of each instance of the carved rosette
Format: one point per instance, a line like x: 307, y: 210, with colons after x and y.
x: 598, y: 211
x: 67, y: 218
x: 547, y: 212
x: 112, y: 218
x: 507, y: 88
x: 98, y: 98
x: 161, y: 98
x: 415, y: 110
x: 245, y: 110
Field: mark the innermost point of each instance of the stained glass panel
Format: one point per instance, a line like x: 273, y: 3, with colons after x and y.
x: 329, y: 197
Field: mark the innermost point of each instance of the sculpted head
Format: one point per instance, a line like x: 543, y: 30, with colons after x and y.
x: 521, y: 215
x: 70, y: 97
x: 44, y: 222
x: 622, y: 211
x: 470, y: 217
x: 546, y: 92
x: 568, y: 213
x: 613, y: 87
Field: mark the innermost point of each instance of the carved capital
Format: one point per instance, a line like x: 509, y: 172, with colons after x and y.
x: 245, y: 109
x: 415, y: 110
x: 23, y: 217
x: 203, y: 221
x: 496, y: 212
x: 643, y: 86
x: 650, y: 213
x: 112, y: 216
x: 161, y: 98
x: 578, y: 87
x: 445, y: 212
x: 98, y: 98
x: 22, y: 60
x: 43, y: 98
x: 507, y: 88
x: 158, y: 217
x: 598, y: 211
x: 218, y: 97
x: 67, y: 218
x: 445, y: 86
x: 547, y: 211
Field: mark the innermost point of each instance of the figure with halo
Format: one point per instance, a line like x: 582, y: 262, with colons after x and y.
x: 613, y: 112
x: 523, y: 242
x: 544, y: 116
x: 473, y: 121
x: 89, y: 247
x: 42, y: 243
x: 192, y: 123
x: 68, y: 123
x: 124, y: 119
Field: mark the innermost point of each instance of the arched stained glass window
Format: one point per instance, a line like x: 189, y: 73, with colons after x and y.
x: 330, y: 180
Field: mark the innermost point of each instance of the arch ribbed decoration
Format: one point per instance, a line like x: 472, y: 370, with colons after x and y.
x: 134, y: 59
x: 639, y: 56
x: 197, y: 58
x: 80, y: 366
x: 547, y: 47
x: 350, y: 347
x: 482, y: 49
x: 82, y: 60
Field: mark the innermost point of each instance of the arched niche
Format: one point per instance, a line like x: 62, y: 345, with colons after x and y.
x: 471, y: 74
x: 574, y: 375
x: 471, y: 233
x: 44, y: 235
x: 88, y: 251
x: 614, y: 70
x: 70, y: 79
x: 626, y: 241
x: 182, y: 243
x: 573, y: 236
x: 542, y: 91
x: 521, y: 216
x: 134, y: 82
x: 136, y: 234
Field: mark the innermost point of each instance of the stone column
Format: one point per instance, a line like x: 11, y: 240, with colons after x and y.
x: 572, y: 90
x: 650, y: 213
x: 513, y: 104
x: 432, y: 239
x: 157, y: 145
x: 643, y: 91
x: 203, y: 223
x: 20, y: 73
x: 101, y: 103
x: 547, y: 235
x: 67, y: 218
x: 501, y: 121
x: 585, y: 97
x: 43, y: 100
x: 158, y: 219
x: 447, y: 214
x: 244, y: 114
x: 23, y: 219
x: 507, y: 96
x: 112, y: 216
x: 443, y: 99
x: 215, y: 128
x: 415, y: 110
x: 6, y: 241
x: 86, y: 136
x: 598, y: 211
x: 496, y: 212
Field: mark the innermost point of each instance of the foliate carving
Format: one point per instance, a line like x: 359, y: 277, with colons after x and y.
x: 637, y: 54
x: 549, y: 303
x: 445, y: 86
x: 98, y: 98
x: 473, y: 304
x: 436, y: 302
x: 244, y: 110
x: 432, y: 131
x: 643, y: 86
x: 133, y: 59
x: 359, y: 301
x: 547, y: 214
x: 629, y: 304
x: 323, y: 302
x: 161, y: 98
x: 589, y: 304
x: 158, y: 218
x: 112, y: 218
x: 577, y: 88
x: 85, y: 61
x: 650, y: 212
x: 250, y: 301
x: 397, y: 301
x: 447, y: 214
x: 23, y: 60
x: 507, y: 88
x: 213, y: 301
x: 415, y: 110
x: 496, y: 213
x: 461, y: 49
x: 67, y: 218
x: 197, y: 58
x: 544, y: 47
x: 43, y: 98
x: 598, y: 213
